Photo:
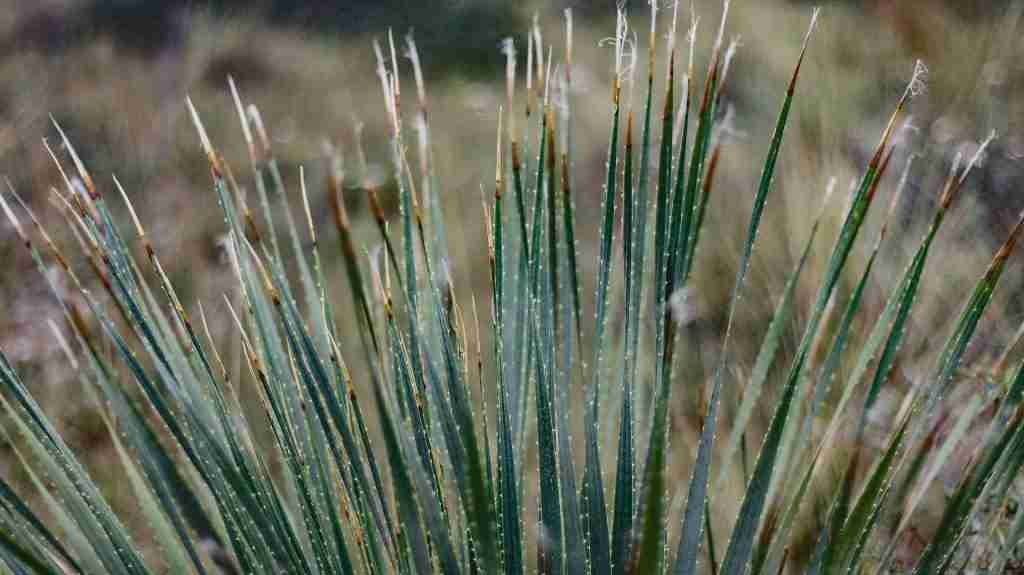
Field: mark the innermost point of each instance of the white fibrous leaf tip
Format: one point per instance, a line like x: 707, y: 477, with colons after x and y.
x: 203, y: 138
x: 9, y: 213
x: 257, y: 122
x: 691, y: 38
x: 814, y: 22
x: 501, y: 117
x: 721, y: 26
x: 246, y: 131
x: 538, y: 45
x: 547, y: 79
x: 730, y: 53
x: 919, y: 80
x: 654, y: 17
x: 387, y: 84
x: 394, y: 60
x: 529, y: 64
x: 632, y: 45
x: 619, y: 41
x: 979, y: 155
x: 128, y: 204
x: 381, y: 66
x: 508, y: 48
x: 414, y: 56
x: 958, y: 159
x: 568, y: 35
x: 621, y: 38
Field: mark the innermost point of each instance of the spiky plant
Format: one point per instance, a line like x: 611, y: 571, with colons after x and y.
x: 423, y: 457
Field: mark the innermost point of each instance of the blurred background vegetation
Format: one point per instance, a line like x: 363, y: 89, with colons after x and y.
x: 114, y: 74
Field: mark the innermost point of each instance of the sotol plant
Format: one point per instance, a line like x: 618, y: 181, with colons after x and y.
x: 422, y: 458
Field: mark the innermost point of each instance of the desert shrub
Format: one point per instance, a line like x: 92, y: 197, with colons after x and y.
x: 425, y: 453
